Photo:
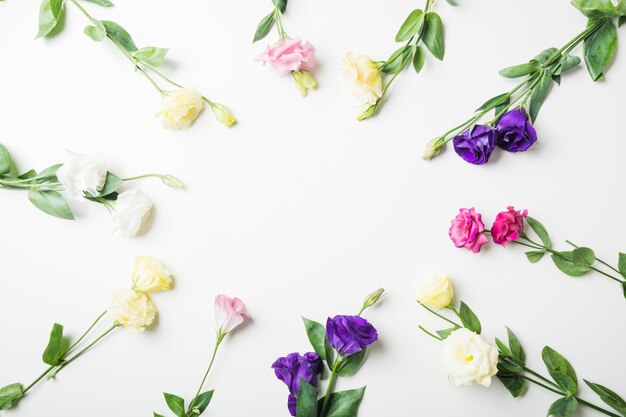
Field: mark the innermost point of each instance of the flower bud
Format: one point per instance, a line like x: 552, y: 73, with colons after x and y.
x: 437, y: 292
x: 223, y: 114
x: 368, y: 112
x: 305, y: 81
x: 433, y: 148
x: 373, y: 298
x: 172, y: 181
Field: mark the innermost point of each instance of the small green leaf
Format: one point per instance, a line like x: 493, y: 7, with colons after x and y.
x: 151, y: 55
x: 609, y: 397
x: 510, y: 367
x: 281, y: 5
x: 49, y: 15
x: 31, y: 173
x: 520, y: 70
x: 545, y: 55
x: 157, y: 415
x: 54, y: 350
x: 51, y: 202
x: 411, y: 26
x: 446, y: 332
x: 469, y: 319
x: 503, y: 348
x: 119, y: 35
x: 200, y: 403
x: 452, y: 2
x: 560, y: 369
x: 51, y: 170
x: 583, y: 257
x: 264, y: 27
x: 494, y: 102
x: 104, y: 3
x: 317, y: 335
x: 621, y: 264
x: 539, y: 94
x: 418, y: 59
x: 9, y: 394
x: 563, y: 407
x: 600, y: 49
x: 6, y: 162
x: 540, y: 231
x: 398, y: 60
x: 97, y: 32
x: 563, y: 261
x: 514, y: 383
x: 306, y: 401
x: 595, y: 8
x: 567, y: 64
x: 350, y: 364
x: 175, y: 403
x: 535, y: 255
x: 111, y: 185
x: 517, y: 351
x: 433, y: 36
x: 345, y: 403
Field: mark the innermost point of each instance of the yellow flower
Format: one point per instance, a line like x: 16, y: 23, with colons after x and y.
x: 223, y: 114
x: 436, y: 292
x: 131, y: 309
x: 363, y: 77
x: 179, y: 109
x: 150, y: 275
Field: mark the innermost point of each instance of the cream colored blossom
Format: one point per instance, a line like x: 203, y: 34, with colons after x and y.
x: 363, y: 77
x: 437, y: 292
x: 150, y: 275
x: 131, y: 309
x: 468, y: 359
x: 180, y: 108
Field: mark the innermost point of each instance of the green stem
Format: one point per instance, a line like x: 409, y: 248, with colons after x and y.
x: 279, y: 24
x: 598, y: 259
x: 69, y: 350
x: 430, y: 334
x: 39, y: 378
x: 220, y: 337
x: 439, y: 315
x: 329, y: 389
x: 138, y: 177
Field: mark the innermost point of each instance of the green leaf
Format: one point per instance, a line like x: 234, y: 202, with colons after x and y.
x: 329, y: 353
x: 545, y: 55
x: 6, y: 162
x: 398, y: 60
x: 317, y: 335
x: 97, y: 32
x: 175, y: 403
x: 51, y: 202
x: 418, y: 59
x: 446, y: 332
x: 510, y: 367
x: 306, y: 401
x: 54, y: 350
x: 151, y: 55
x: 51, y: 170
x: 535, y: 255
x: 539, y: 94
x: 469, y: 319
x: 621, y: 264
x: 104, y: 3
x: 433, y: 36
x: 119, y: 35
x: 494, y: 102
x: 583, y: 257
x: 9, y: 394
x: 609, y: 397
x: 111, y: 185
x: 411, y: 26
x: 157, y: 415
x: 514, y: 383
x: 595, y: 8
x: 350, y: 364
x: 600, y: 49
x: 345, y: 403
x: 563, y: 261
x: 560, y: 369
x: 200, y: 403
x: 563, y: 407
x: 281, y: 5
x: 31, y: 173
x: 567, y: 64
x: 521, y: 70
x: 504, y: 349
x: 49, y: 15
x: 517, y: 351
x: 452, y: 2
x: 540, y: 231
x: 264, y: 27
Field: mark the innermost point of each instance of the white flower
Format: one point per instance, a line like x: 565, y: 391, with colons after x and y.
x: 180, y: 108
x: 132, y: 213
x: 363, y: 77
x: 133, y: 310
x: 150, y: 275
x: 437, y: 292
x: 468, y: 359
x: 82, y: 173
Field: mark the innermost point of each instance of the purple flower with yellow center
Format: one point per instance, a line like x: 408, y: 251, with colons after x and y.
x: 515, y: 132
x: 295, y: 367
x: 476, y: 144
x: 350, y: 334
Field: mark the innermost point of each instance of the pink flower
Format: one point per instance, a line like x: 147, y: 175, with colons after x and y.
x: 229, y: 313
x: 289, y: 55
x: 467, y: 230
x: 508, y: 225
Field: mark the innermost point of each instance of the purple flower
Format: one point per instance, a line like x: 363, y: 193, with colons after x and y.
x: 515, y: 133
x: 350, y: 334
x: 293, y: 367
x: 475, y: 145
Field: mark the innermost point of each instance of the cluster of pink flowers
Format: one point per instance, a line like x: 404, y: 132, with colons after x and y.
x: 467, y: 229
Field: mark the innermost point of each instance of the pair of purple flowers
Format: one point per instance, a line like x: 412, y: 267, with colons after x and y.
x: 514, y: 133
x: 346, y: 334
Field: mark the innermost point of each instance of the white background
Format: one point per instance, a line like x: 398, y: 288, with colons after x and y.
x: 301, y: 210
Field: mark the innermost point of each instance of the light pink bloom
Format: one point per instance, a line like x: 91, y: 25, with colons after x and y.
x: 467, y: 230
x: 508, y: 225
x: 289, y: 55
x: 229, y: 313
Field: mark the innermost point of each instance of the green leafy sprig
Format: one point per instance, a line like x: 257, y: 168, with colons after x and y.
x: 515, y: 374
x: 544, y: 70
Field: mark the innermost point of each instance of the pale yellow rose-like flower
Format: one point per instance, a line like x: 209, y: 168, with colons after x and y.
x: 131, y: 309
x: 180, y: 108
x: 150, y: 275
x: 363, y: 77
x: 437, y: 292
x: 468, y: 359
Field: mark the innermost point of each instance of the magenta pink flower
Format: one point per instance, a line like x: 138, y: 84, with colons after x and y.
x: 229, y: 313
x: 289, y: 55
x: 508, y: 225
x: 467, y: 230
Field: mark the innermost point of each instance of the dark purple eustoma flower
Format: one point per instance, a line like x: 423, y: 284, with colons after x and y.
x: 515, y: 133
x: 476, y: 144
x: 350, y: 334
x: 293, y: 367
